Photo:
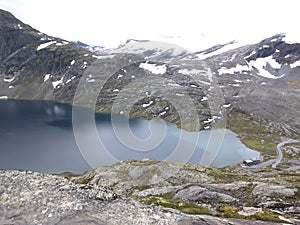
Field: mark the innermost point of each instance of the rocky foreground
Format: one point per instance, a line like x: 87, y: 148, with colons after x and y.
x: 151, y: 192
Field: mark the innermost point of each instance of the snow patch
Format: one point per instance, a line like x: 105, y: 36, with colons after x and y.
x: 251, y: 54
x: 238, y: 69
x: 273, y: 62
x: 238, y: 81
x: 295, y: 64
x: 119, y: 76
x: 45, y: 45
x: 72, y: 62
x: 147, y: 104
x: 57, y: 83
x: 274, y: 39
x: 20, y: 27
x: 226, y: 106
x: 260, y: 65
x: 209, y: 120
x: 10, y: 87
x: 72, y: 78
x: 84, y: 65
x: 204, y: 99
x: 173, y: 84
x: 90, y: 79
x: 8, y: 79
x: 46, y: 77
x: 153, y: 68
x: 3, y: 97
x: 103, y: 56
x: 155, y: 47
x: 189, y: 72
x: 163, y: 113
x: 227, y: 47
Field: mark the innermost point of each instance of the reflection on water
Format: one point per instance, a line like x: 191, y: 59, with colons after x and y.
x: 38, y: 135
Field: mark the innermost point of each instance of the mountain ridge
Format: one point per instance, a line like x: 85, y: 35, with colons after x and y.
x: 48, y: 68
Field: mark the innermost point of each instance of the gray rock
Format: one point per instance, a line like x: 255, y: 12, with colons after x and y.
x: 34, y: 198
x: 273, y: 190
x: 200, y: 194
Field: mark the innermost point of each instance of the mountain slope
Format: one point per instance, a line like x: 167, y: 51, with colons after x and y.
x: 259, y: 80
x: 36, y: 66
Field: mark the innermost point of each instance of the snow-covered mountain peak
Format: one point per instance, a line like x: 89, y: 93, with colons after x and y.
x: 153, y: 50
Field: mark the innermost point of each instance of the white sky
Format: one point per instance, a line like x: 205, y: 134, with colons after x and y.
x: 195, y: 24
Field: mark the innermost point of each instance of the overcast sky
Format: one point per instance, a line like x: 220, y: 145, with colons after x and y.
x: 193, y: 24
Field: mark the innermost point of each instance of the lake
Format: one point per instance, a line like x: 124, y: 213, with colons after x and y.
x: 39, y: 136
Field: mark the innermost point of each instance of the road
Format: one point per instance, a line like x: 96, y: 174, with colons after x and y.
x: 275, y: 162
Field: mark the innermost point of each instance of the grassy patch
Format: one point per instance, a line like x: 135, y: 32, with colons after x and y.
x: 293, y: 82
x: 232, y: 212
x: 253, y: 133
x: 86, y: 178
x: 224, y: 175
x: 167, y: 201
x: 142, y: 187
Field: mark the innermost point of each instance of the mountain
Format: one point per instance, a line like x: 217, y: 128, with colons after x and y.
x: 97, y: 49
x: 252, y: 90
x: 34, y: 65
x: 151, y: 50
x: 227, y: 83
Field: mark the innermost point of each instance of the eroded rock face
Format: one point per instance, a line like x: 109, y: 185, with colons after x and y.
x: 33, y: 198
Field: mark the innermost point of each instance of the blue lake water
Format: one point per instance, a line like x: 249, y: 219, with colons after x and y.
x: 39, y: 136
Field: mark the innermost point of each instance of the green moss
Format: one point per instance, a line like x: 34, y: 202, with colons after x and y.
x: 142, y: 187
x: 267, y: 215
x: 293, y: 82
x: 228, y: 211
x: 224, y: 175
x: 167, y: 201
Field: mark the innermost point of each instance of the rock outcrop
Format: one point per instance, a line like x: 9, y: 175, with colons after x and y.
x: 33, y: 198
